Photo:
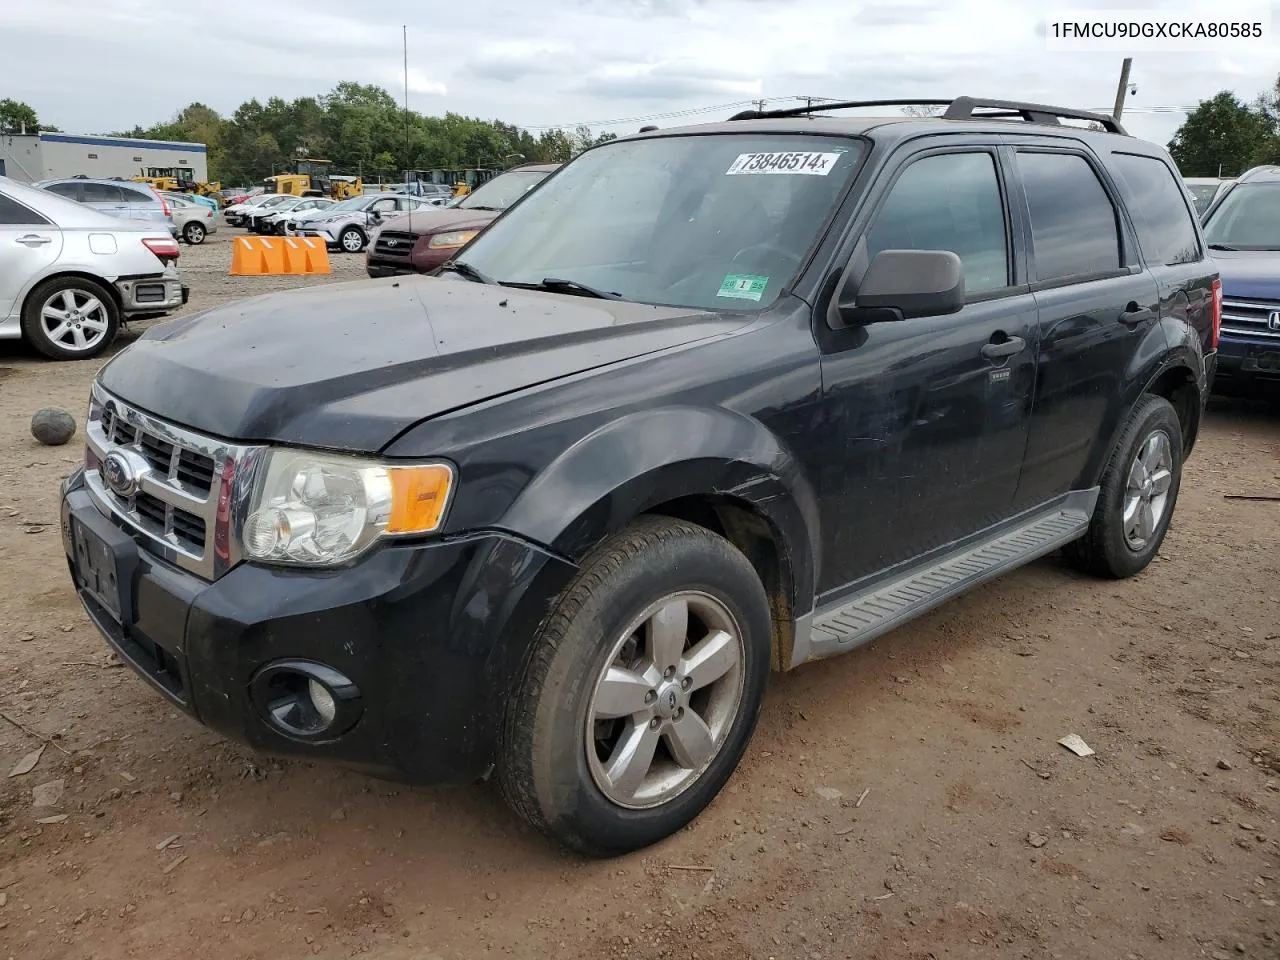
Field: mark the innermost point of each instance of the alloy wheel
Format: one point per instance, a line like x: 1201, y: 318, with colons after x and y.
x: 665, y: 701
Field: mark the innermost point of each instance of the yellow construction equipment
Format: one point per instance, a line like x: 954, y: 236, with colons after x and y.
x: 179, y: 180
x: 311, y: 178
x: 278, y: 256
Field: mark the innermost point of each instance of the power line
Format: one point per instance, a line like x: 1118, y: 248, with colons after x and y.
x: 692, y: 111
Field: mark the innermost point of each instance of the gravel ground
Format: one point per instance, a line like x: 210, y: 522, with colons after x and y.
x: 905, y: 802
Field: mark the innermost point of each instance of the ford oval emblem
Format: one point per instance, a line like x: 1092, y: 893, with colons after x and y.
x: 118, y: 474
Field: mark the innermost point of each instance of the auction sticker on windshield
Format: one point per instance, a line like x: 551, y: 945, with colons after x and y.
x: 812, y: 164
x: 743, y: 286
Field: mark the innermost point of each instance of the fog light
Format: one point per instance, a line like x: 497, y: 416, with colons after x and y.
x: 322, y: 701
x: 305, y: 700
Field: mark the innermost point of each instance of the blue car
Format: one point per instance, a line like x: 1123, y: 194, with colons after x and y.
x: 1242, y: 229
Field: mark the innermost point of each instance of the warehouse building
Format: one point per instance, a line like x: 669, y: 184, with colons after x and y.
x: 45, y: 156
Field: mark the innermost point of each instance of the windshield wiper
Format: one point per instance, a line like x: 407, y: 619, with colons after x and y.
x: 476, y: 207
x: 1222, y: 246
x: 464, y: 269
x: 556, y: 283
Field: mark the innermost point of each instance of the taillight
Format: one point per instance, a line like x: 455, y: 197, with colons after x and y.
x: 1217, y: 314
x: 164, y: 204
x: 166, y: 248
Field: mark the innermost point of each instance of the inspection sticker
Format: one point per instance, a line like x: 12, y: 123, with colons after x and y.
x: 812, y: 164
x: 743, y: 286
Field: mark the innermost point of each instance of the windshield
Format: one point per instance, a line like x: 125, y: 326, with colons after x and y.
x: 717, y: 222
x: 1202, y: 194
x: 1247, y: 218
x: 503, y: 190
x: 351, y: 203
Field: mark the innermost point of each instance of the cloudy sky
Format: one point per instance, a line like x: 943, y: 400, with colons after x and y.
x: 93, y: 66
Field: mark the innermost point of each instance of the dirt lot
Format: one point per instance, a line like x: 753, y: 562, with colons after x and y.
x: 907, y: 801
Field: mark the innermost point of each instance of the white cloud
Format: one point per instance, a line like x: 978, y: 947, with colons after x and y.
x: 565, y: 61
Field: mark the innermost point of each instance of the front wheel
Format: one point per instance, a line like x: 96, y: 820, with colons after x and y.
x: 351, y: 240
x: 641, y: 692
x: 1138, y: 492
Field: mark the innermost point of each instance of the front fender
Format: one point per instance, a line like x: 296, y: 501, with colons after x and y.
x: 639, y: 461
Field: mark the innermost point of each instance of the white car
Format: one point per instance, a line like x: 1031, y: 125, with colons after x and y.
x: 70, y: 275
x: 273, y: 221
x: 194, y: 220
x: 236, y: 213
x: 348, y: 225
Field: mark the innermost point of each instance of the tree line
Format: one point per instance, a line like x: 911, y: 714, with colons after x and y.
x: 1224, y: 136
x: 357, y: 126
x: 363, y: 131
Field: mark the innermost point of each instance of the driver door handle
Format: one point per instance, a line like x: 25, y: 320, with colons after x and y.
x: 1005, y: 348
x: 33, y: 240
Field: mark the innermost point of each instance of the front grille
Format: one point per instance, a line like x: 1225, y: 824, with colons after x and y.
x: 1251, y: 318
x: 179, y: 477
x: 194, y: 469
x: 394, y: 243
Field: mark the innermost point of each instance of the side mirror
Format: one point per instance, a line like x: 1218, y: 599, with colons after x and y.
x: 375, y: 216
x: 902, y: 284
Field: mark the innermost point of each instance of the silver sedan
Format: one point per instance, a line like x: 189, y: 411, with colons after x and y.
x: 70, y: 276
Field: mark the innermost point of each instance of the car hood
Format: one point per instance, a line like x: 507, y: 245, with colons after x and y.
x: 424, y: 222
x: 1249, y: 274
x: 350, y: 366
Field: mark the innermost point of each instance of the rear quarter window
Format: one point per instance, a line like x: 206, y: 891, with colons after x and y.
x: 1158, y: 205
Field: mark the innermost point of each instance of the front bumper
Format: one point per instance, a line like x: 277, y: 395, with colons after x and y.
x: 1244, y: 366
x: 432, y: 635
x: 152, y: 293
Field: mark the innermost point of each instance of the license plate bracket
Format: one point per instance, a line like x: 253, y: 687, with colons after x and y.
x: 104, y: 566
x: 1262, y: 360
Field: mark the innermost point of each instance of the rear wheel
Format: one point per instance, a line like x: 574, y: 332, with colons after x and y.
x: 642, y: 690
x: 193, y: 232
x: 70, y: 318
x: 1138, y: 493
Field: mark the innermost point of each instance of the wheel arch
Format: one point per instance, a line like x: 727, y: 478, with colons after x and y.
x: 107, y: 285
x: 1177, y: 383
x: 712, y: 467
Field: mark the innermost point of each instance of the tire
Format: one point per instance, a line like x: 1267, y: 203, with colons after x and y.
x: 88, y: 300
x: 351, y: 240
x: 194, y: 232
x: 1114, y: 548
x: 554, y: 774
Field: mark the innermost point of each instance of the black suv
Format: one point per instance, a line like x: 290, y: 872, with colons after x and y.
x: 710, y: 402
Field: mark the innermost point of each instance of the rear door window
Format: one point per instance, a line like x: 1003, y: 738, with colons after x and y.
x: 13, y: 213
x: 1075, y: 232
x: 103, y: 193
x: 1158, y: 205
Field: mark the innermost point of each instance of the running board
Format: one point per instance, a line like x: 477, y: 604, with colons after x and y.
x: 849, y: 623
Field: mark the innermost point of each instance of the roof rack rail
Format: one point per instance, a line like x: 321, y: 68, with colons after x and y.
x: 834, y: 105
x: 961, y: 108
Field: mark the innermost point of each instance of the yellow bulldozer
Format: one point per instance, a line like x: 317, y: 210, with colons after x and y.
x: 179, y: 180
x: 311, y: 178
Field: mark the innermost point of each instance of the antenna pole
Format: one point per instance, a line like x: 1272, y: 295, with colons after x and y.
x: 1123, y: 89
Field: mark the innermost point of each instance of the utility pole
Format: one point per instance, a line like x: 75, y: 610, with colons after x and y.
x: 1123, y: 90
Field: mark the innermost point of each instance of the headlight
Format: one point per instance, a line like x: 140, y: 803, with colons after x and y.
x: 319, y: 509
x: 458, y: 238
